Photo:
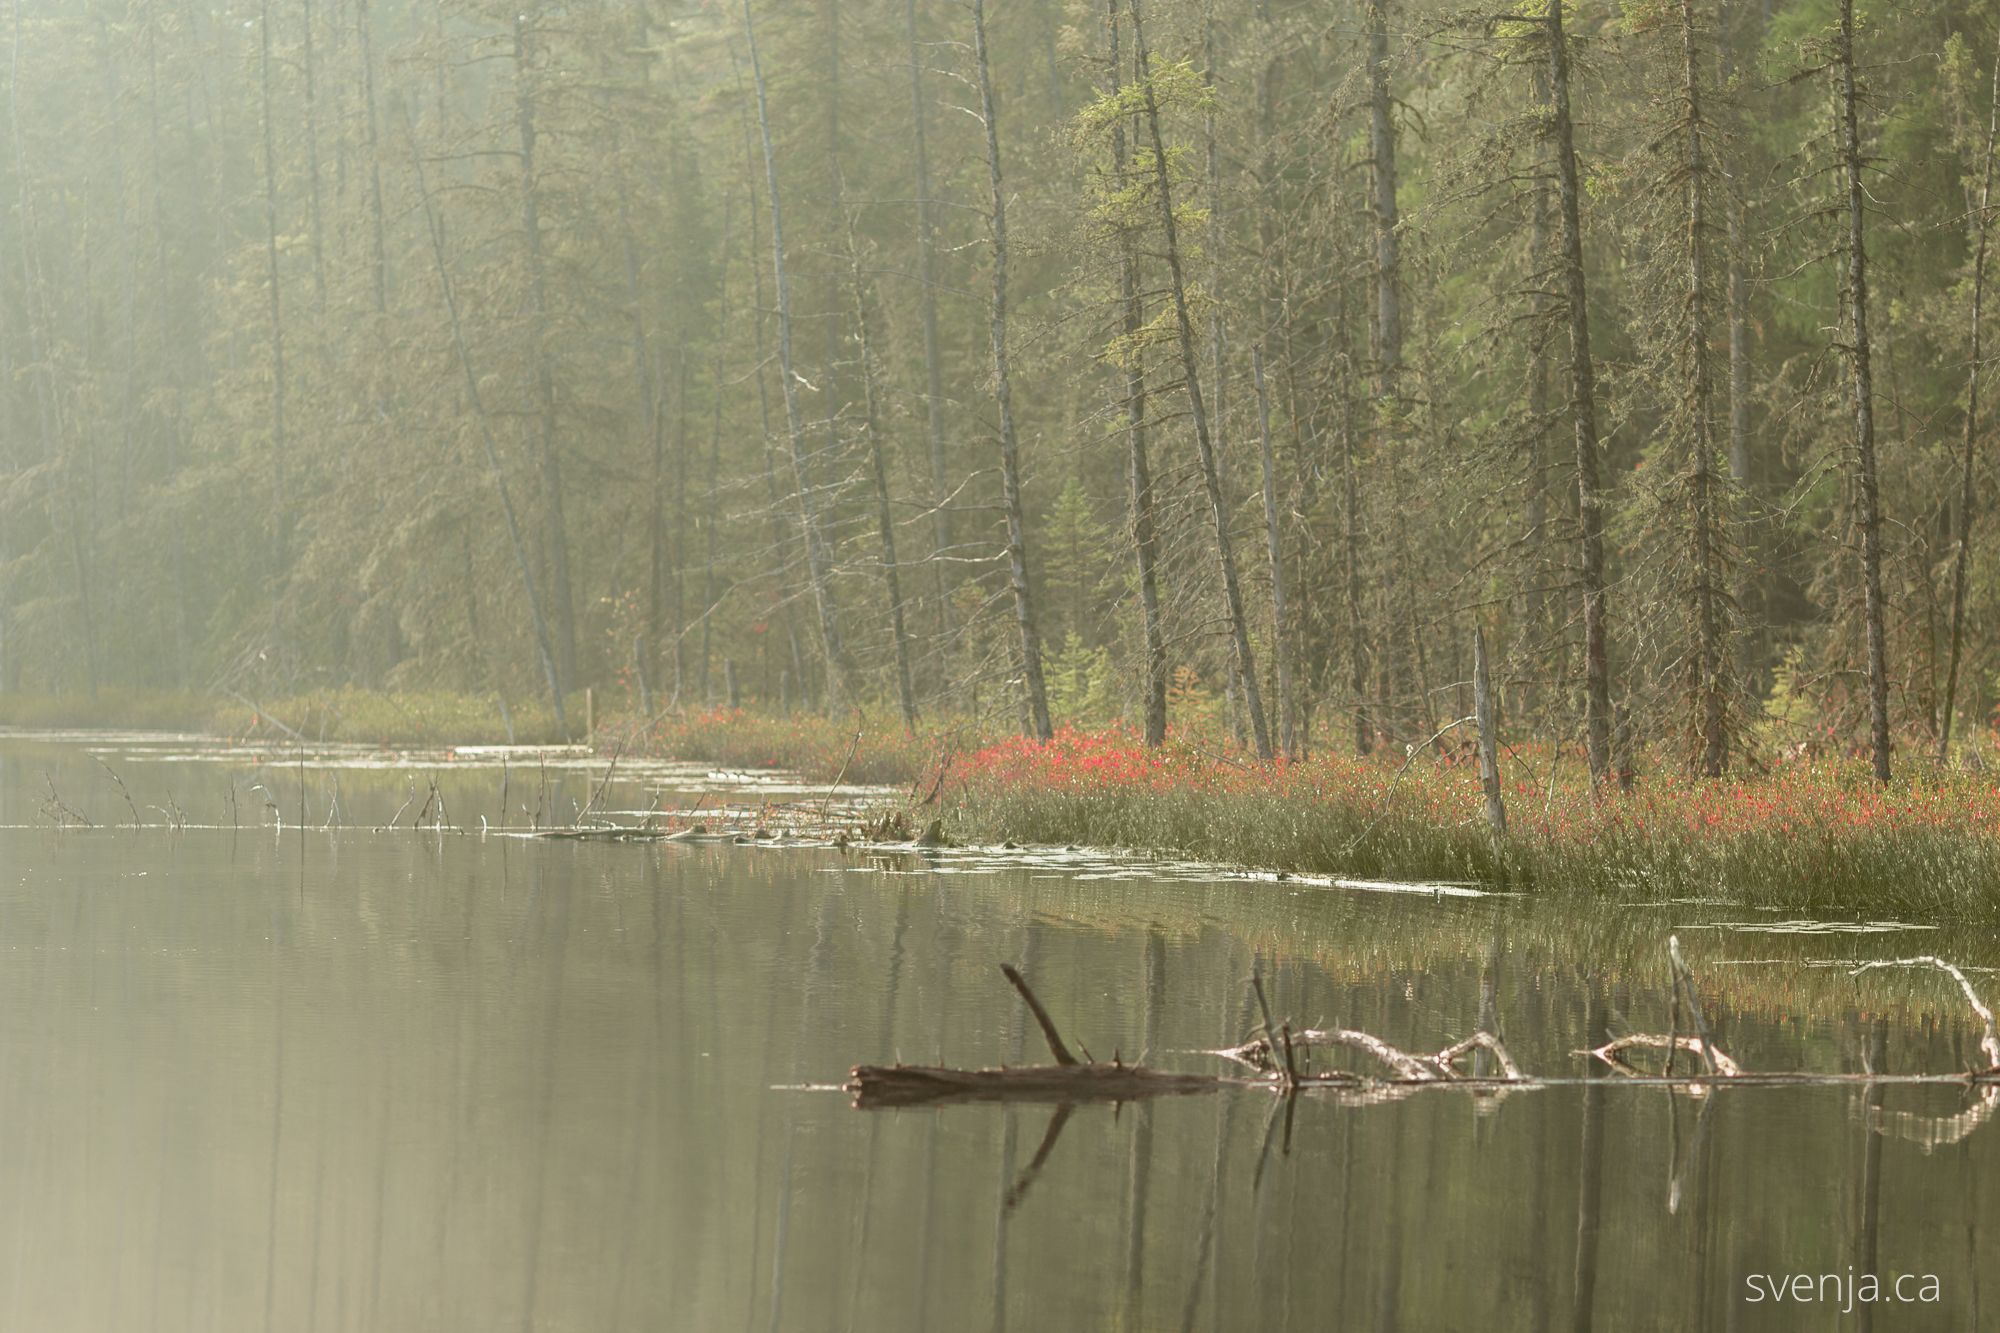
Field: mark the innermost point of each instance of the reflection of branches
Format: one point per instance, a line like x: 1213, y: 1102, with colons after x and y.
x: 1938, y: 1131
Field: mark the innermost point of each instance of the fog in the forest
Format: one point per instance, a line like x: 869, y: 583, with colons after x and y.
x: 1053, y: 363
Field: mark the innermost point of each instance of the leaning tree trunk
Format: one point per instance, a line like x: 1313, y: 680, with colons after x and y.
x: 1280, y: 630
x: 780, y: 548
x: 906, y: 697
x: 545, y: 375
x: 1867, y: 487
x: 1232, y: 590
x: 1707, y: 658
x: 315, y: 213
x: 1583, y: 412
x: 434, y: 228
x: 1968, y: 494
x: 1003, y: 394
x: 927, y: 305
x: 1145, y: 529
x: 280, y: 502
x: 378, y: 254
x: 819, y: 561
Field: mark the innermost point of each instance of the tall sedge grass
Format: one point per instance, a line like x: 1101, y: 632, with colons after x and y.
x: 1812, y: 835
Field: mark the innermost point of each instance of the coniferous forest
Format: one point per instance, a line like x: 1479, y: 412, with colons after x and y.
x: 1036, y: 363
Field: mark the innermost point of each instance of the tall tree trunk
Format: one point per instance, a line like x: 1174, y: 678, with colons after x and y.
x: 164, y: 319
x: 1708, y: 655
x: 1867, y: 488
x: 1967, y: 492
x: 1541, y: 623
x: 1232, y: 590
x: 781, y: 532
x: 378, y: 255
x: 545, y: 376
x: 280, y: 501
x: 1003, y: 396
x: 1280, y: 628
x: 878, y: 468
x: 1145, y: 530
x: 819, y: 561
x: 711, y: 515
x: 434, y: 228
x: 315, y: 216
x: 1583, y: 412
x: 928, y: 311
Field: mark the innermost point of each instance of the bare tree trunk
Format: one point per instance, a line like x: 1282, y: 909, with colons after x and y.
x: 1145, y: 530
x: 545, y: 378
x: 819, y: 561
x: 164, y: 315
x: 1003, y: 394
x: 538, y: 622
x: 1868, y: 493
x: 1968, y: 494
x: 1540, y: 621
x: 1708, y: 657
x: 280, y: 502
x: 885, y: 521
x: 315, y: 217
x: 941, y: 537
x: 1583, y: 413
x: 1246, y: 667
x: 1487, y: 711
x: 379, y: 251
x: 780, y: 531
x: 711, y: 519
x: 1280, y: 626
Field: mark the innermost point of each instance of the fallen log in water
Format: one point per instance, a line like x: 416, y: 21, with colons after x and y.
x: 925, y: 1085
x: 1274, y: 1055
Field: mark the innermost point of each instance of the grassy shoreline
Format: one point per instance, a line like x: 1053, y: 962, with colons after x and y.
x: 1810, y: 835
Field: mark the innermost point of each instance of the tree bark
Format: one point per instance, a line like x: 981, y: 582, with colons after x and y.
x: 378, y: 265
x: 1246, y: 667
x: 1583, y: 412
x: 1967, y: 491
x: 819, y: 560
x: 1145, y: 530
x: 1003, y: 393
x: 885, y: 521
x: 1280, y: 625
x: 1867, y: 487
x: 1708, y: 656
x: 941, y: 536
x: 561, y: 598
x: 280, y: 502
x: 538, y: 622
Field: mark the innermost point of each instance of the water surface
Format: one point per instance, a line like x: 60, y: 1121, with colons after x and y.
x: 346, y: 1078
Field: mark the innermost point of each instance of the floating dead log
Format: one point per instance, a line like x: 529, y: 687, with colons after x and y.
x: 1275, y: 1058
x: 1067, y: 1080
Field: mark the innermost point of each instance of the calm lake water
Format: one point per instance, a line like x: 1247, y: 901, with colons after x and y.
x: 356, y: 1079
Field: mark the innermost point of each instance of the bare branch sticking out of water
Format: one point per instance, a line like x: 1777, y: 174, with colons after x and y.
x: 1990, y: 1043
x: 1612, y: 1052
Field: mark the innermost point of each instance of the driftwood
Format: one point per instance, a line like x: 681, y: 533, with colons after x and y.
x: 1612, y: 1053
x: 927, y: 1085
x: 1068, y: 1080
x: 1276, y: 1058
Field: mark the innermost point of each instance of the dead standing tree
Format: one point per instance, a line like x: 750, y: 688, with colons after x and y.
x: 1968, y: 492
x: 1003, y: 398
x: 1211, y: 473
x: 819, y: 560
x: 435, y: 228
x: 1861, y: 380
